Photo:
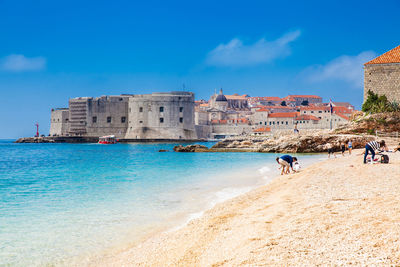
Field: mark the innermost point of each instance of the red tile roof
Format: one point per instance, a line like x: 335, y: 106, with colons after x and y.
x: 342, y: 110
x: 262, y: 130
x: 304, y: 96
x: 263, y: 109
x: 265, y: 98
x: 343, y: 116
x: 307, y: 118
x: 236, y: 97
x: 314, y: 108
x: 283, y: 115
x: 268, y: 108
x: 392, y: 56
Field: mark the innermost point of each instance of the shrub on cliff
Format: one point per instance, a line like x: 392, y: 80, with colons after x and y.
x: 379, y: 104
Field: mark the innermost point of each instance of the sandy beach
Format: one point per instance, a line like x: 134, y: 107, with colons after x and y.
x: 335, y: 212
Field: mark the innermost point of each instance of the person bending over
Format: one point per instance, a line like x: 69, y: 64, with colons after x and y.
x: 286, y: 163
x: 372, y: 147
x: 397, y: 148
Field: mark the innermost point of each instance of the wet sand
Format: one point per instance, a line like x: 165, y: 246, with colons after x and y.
x: 335, y: 212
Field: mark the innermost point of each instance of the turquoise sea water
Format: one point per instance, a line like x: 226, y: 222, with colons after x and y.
x: 65, y: 202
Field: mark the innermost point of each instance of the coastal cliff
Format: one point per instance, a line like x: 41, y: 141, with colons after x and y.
x: 315, y: 143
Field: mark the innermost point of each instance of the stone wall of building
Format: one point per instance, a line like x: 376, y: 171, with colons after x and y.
x: 152, y: 116
x: 59, y: 122
x: 383, y: 79
x: 161, y: 116
x: 226, y: 130
x: 107, y: 115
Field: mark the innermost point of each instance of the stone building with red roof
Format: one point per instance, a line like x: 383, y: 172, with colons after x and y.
x: 382, y: 75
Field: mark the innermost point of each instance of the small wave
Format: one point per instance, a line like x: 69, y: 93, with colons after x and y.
x: 264, y: 170
x: 229, y: 193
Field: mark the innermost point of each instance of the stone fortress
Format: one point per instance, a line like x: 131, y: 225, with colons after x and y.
x: 382, y: 75
x: 177, y: 116
x: 130, y: 117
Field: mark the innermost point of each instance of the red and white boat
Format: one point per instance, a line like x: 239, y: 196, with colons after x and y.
x: 107, y: 140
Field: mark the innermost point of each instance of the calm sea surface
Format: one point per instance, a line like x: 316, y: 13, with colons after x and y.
x: 64, y: 202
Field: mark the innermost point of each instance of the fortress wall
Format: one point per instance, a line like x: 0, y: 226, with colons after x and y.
x: 59, y: 122
x: 161, y: 115
x: 107, y: 115
x: 383, y: 79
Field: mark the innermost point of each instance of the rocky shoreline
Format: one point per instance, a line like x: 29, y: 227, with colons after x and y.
x: 315, y: 143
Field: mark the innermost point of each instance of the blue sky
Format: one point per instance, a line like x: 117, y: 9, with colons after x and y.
x: 54, y: 50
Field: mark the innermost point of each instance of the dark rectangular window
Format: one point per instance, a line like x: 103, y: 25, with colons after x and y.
x: 161, y: 109
x: 108, y: 119
x: 140, y: 121
x: 123, y: 119
x: 141, y: 109
x: 181, y: 120
x: 161, y: 120
x: 181, y: 109
x: 94, y: 119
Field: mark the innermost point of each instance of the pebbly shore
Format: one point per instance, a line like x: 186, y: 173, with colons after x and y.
x: 335, y: 212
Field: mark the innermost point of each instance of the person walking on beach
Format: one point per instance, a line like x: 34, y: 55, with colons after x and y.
x: 350, y: 146
x: 343, y: 147
x: 296, y: 131
x: 286, y: 163
x: 330, y: 150
x: 372, y: 147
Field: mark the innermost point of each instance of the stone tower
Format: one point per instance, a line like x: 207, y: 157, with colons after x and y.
x: 382, y: 75
x: 221, y: 102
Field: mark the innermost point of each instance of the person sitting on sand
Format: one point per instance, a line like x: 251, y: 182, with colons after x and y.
x: 286, y: 163
x: 330, y: 150
x: 372, y: 147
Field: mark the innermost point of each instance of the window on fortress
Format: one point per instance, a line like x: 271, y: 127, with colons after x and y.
x: 141, y: 109
x: 181, y: 109
x: 312, y: 111
x: 161, y: 109
x: 140, y: 121
x: 320, y: 111
x: 181, y: 120
x: 277, y: 122
x: 161, y: 120
x: 109, y: 119
x: 123, y: 119
x: 94, y: 119
x: 260, y: 122
x: 270, y: 123
x: 304, y: 112
x: 287, y: 123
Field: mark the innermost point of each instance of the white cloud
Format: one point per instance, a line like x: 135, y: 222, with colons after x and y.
x: 344, y: 68
x: 19, y: 63
x: 237, y: 54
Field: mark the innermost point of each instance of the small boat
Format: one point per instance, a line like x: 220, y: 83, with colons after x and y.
x: 107, y: 140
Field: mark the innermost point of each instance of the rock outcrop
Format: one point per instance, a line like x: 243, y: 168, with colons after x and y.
x: 388, y: 122
x: 285, y: 144
x: 191, y: 148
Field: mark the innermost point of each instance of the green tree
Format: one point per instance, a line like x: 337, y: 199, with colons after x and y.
x: 378, y: 103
